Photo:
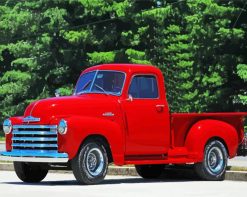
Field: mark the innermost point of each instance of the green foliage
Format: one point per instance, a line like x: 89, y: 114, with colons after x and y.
x: 77, y: 37
x: 129, y: 38
x: 242, y: 71
x: 137, y: 57
x: 158, y: 15
x: 66, y: 90
x: 121, y: 8
x: 101, y: 57
x: 15, y: 76
x: 243, y: 99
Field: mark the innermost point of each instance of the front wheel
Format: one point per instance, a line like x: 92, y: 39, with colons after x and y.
x: 91, y: 164
x: 30, y: 172
x: 214, y: 164
x: 149, y: 171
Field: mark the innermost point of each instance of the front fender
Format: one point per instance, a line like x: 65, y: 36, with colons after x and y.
x: 79, y: 128
x: 204, y: 130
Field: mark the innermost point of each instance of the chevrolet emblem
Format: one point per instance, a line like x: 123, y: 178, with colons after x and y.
x: 30, y: 119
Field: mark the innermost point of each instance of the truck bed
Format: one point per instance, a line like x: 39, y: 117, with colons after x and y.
x: 182, y: 122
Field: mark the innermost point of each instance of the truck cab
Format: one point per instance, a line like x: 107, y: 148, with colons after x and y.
x: 119, y: 114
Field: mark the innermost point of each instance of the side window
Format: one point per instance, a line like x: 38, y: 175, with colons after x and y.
x: 144, y: 86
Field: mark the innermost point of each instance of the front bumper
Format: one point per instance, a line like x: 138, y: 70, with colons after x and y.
x: 34, y: 156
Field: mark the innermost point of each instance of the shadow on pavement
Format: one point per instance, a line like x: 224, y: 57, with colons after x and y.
x: 168, y: 176
x: 105, y: 182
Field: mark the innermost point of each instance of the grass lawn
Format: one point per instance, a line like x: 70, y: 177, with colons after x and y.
x: 2, y: 138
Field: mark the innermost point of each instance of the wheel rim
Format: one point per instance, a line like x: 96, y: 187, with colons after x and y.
x: 95, y: 162
x: 215, y: 160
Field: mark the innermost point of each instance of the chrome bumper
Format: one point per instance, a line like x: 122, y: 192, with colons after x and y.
x: 34, y: 156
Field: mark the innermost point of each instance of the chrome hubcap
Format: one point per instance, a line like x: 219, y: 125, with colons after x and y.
x: 215, y: 161
x: 95, y: 161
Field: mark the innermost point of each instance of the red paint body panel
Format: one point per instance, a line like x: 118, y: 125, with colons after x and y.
x: 182, y: 122
x: 71, y: 142
x: 141, y: 131
x: 148, y: 129
x: 209, y: 129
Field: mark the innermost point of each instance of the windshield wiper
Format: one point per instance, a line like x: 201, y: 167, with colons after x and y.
x: 103, y: 90
x: 84, y: 87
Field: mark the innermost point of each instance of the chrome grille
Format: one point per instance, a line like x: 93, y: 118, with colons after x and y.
x: 34, y: 137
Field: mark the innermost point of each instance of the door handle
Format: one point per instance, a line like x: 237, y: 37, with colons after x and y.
x: 160, y: 108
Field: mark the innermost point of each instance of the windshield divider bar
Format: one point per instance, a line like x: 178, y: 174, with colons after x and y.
x: 90, y: 90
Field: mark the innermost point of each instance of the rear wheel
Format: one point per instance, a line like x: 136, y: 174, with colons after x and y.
x: 214, y: 164
x: 91, y: 164
x: 30, y: 172
x: 149, y: 171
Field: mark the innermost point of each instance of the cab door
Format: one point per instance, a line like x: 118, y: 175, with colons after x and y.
x: 147, y: 116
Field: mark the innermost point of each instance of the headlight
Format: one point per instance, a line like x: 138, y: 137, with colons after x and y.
x: 62, y: 127
x: 7, y: 126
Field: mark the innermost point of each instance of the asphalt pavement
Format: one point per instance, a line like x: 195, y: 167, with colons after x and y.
x: 65, y: 185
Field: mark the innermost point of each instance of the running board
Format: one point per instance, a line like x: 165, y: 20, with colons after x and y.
x: 179, y: 160
x: 177, y: 155
x: 144, y: 157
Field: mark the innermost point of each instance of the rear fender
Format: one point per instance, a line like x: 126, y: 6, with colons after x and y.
x: 204, y: 130
x: 79, y: 128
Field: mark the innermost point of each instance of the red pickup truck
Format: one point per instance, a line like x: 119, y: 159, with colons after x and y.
x: 118, y: 114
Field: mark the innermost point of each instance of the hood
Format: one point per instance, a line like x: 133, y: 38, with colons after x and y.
x: 53, y: 109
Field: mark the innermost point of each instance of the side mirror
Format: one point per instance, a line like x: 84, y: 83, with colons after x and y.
x: 130, y: 98
x: 57, y: 92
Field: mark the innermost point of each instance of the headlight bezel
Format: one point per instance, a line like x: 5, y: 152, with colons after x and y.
x: 62, y: 127
x: 7, y: 126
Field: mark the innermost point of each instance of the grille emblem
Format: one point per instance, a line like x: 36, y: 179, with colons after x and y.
x: 31, y: 119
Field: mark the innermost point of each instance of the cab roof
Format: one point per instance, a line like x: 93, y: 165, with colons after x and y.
x: 127, y: 68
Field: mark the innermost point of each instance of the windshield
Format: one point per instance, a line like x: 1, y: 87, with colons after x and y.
x: 107, y: 82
